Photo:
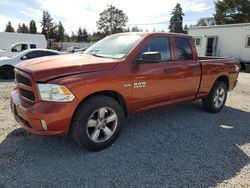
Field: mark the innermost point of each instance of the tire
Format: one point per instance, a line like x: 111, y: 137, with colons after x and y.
x: 97, y: 123
x: 7, y: 72
x: 216, y: 99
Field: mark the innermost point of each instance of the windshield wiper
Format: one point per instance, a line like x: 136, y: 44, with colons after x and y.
x: 96, y: 55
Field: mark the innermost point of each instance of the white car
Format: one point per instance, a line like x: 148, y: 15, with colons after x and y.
x: 7, y: 64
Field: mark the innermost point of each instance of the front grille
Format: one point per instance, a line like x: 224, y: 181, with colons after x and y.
x: 25, y: 85
x: 23, y: 80
x: 27, y: 94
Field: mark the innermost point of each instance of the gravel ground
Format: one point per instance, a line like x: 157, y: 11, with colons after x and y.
x: 180, y: 146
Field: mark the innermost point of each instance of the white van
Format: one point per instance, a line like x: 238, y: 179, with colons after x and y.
x: 13, y: 43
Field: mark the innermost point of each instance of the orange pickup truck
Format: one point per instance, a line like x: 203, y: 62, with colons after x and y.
x: 89, y: 95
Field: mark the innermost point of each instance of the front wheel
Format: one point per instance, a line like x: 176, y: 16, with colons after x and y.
x: 97, y: 123
x: 215, y: 101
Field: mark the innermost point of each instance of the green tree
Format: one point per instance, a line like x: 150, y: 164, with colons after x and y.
x: 73, y: 37
x: 112, y: 20
x: 96, y: 36
x: 24, y: 29
x: 135, y: 29
x: 48, y: 26
x: 206, y: 21
x: 85, y: 35
x: 176, y: 19
x: 60, y: 32
x: 185, y: 30
x: 232, y: 11
x: 9, y: 27
x: 80, y: 35
x: 32, y: 27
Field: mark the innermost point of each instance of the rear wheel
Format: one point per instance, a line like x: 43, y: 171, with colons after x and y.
x: 7, y: 72
x: 215, y: 101
x: 97, y: 123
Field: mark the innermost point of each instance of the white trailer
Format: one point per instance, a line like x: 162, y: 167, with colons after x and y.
x: 231, y: 40
x: 13, y: 43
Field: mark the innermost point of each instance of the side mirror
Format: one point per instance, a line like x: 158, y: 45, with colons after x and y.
x: 24, y: 57
x: 13, y: 50
x: 150, y: 57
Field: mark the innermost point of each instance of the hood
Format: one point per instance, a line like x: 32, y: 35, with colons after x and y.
x: 48, y: 68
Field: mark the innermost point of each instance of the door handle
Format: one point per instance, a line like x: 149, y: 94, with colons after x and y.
x: 196, y: 68
x: 168, y: 70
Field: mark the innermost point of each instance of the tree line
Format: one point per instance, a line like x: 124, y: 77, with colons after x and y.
x: 113, y: 20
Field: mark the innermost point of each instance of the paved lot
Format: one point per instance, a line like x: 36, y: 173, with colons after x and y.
x: 180, y: 146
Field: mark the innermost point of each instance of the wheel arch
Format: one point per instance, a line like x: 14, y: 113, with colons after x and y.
x: 110, y: 93
x: 223, y: 78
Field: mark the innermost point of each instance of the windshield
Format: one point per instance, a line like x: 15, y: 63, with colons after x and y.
x: 114, y: 46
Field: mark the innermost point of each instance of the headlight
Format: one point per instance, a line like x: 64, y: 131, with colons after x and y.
x: 55, y: 93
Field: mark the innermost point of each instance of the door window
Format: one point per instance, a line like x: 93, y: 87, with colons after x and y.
x: 47, y: 53
x: 183, y: 48
x: 32, y: 46
x: 158, y: 44
x: 32, y: 55
x: 20, y: 48
x: 248, y: 42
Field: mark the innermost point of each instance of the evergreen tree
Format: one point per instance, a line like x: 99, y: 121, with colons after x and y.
x: 135, y: 29
x: 80, y: 35
x: 32, y: 27
x: 232, y: 11
x: 85, y: 35
x: 25, y: 29
x: 176, y: 19
x: 60, y: 32
x: 206, y: 21
x: 9, y: 28
x: 48, y: 27
x: 185, y: 31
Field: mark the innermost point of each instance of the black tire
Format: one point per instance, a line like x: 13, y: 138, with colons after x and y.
x: 210, y: 102
x: 7, y: 72
x: 80, y: 131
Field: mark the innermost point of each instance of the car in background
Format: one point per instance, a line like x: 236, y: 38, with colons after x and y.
x: 16, y: 48
x: 73, y: 49
x: 12, y: 43
x: 7, y: 64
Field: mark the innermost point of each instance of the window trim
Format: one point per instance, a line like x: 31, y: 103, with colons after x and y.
x: 148, y: 39
x: 189, y: 45
x: 248, y: 39
x: 198, y: 37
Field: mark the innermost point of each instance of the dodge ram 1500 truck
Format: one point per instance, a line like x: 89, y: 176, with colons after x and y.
x: 89, y: 95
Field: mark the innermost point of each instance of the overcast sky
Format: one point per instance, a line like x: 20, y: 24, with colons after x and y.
x: 85, y: 13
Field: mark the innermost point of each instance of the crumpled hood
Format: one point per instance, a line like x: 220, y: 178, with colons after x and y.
x: 47, y: 68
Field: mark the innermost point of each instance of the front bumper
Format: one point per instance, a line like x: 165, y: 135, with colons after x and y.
x: 56, y: 115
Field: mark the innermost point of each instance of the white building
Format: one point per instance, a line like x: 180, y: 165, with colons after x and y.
x: 232, y: 40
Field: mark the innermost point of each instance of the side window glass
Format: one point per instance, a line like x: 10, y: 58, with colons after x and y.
x: 32, y: 46
x: 31, y: 55
x: 17, y: 48
x: 183, y: 48
x: 24, y: 47
x: 158, y: 44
